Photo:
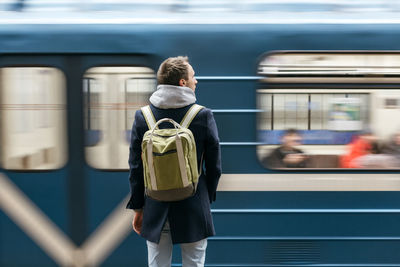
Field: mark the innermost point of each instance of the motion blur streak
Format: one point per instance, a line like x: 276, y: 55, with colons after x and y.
x: 108, y: 235
x: 35, y: 223
x: 55, y: 243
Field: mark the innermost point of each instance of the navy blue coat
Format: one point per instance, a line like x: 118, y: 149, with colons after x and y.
x: 190, y: 219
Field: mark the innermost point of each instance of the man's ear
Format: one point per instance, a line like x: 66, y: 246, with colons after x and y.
x: 182, y: 82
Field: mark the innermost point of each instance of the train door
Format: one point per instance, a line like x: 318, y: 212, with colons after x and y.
x: 34, y: 160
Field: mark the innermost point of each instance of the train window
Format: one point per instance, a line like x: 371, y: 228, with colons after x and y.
x: 111, y: 97
x: 33, y: 118
x: 329, y: 110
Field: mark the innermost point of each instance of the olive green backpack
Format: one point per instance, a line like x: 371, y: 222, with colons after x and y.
x: 169, y: 157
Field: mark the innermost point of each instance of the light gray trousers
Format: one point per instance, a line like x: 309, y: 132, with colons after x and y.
x: 160, y: 255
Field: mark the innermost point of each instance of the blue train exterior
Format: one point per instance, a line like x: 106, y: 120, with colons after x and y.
x: 254, y: 228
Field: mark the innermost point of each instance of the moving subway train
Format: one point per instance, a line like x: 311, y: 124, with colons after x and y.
x: 68, y: 94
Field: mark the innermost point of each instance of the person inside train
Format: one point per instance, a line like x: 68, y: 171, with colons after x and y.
x: 287, y: 155
x: 392, y: 149
x: 187, y: 222
x: 363, y: 152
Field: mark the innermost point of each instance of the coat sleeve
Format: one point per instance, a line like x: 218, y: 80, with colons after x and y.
x: 136, y: 166
x: 274, y: 160
x: 212, y: 157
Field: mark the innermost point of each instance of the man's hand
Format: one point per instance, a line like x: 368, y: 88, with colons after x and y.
x: 293, y: 158
x: 137, y: 221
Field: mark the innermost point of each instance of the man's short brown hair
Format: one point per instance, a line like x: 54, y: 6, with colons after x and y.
x: 172, y: 70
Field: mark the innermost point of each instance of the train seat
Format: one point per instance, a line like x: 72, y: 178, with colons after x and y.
x: 323, y: 161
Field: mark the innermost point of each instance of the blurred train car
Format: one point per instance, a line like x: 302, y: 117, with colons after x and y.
x: 68, y: 94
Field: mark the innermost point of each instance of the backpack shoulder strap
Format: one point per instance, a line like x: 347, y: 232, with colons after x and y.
x: 149, y: 117
x: 190, y: 114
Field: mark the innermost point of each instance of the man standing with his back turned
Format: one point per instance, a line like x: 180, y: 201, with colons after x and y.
x: 186, y: 222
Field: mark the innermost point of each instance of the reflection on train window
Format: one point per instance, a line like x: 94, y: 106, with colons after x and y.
x: 33, y: 118
x: 111, y: 97
x: 329, y: 110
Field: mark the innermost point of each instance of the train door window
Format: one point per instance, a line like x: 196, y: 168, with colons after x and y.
x: 33, y: 118
x: 329, y: 110
x: 111, y: 97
